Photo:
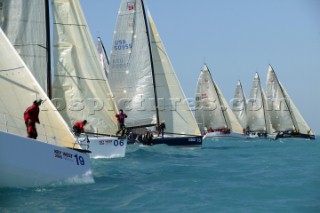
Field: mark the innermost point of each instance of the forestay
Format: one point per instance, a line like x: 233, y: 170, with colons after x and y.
x: 18, y: 90
x: 24, y: 23
x: 80, y: 88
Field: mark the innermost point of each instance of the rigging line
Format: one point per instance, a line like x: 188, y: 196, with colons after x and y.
x: 79, y: 25
x: 16, y: 68
x: 22, y: 45
x: 92, y: 79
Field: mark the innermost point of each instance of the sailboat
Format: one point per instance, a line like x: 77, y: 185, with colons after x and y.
x: 212, y: 112
x: 285, y: 117
x: 239, y: 105
x: 144, y: 82
x: 258, y: 123
x: 80, y: 84
x: 55, y: 157
x: 103, y: 57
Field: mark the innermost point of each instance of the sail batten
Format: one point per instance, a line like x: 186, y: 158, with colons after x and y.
x: 27, y: 31
x: 19, y: 89
x: 130, y: 74
x: 80, y: 85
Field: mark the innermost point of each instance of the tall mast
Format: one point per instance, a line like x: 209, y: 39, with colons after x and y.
x: 263, y: 105
x: 49, y: 93
x: 151, y: 61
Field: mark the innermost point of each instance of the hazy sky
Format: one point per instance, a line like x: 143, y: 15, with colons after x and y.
x: 235, y: 39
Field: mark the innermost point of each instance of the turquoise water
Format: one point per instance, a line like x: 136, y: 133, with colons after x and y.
x: 256, y: 176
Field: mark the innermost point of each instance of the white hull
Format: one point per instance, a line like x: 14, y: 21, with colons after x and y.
x: 224, y: 136
x: 26, y: 162
x: 105, y: 147
x: 272, y: 136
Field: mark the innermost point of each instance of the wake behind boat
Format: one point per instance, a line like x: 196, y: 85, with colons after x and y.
x: 225, y: 136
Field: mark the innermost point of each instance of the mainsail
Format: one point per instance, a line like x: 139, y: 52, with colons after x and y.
x: 142, y: 77
x: 239, y: 105
x: 131, y: 77
x: 172, y: 103
x: 258, y: 118
x: 24, y: 23
x: 284, y: 114
x: 18, y: 89
x: 212, y: 110
x: 80, y: 87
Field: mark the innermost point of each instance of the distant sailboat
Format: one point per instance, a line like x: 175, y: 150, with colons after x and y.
x: 239, y: 105
x: 212, y: 111
x: 285, y: 117
x: 143, y: 80
x: 258, y: 119
x: 104, y: 60
x: 55, y: 157
x: 80, y: 85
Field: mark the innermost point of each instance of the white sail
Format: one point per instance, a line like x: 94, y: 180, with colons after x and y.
x: 284, y: 114
x: 172, y: 103
x: 256, y: 107
x: 104, y: 60
x: 24, y: 23
x: 131, y: 77
x: 239, y: 105
x: 80, y: 88
x: 18, y: 90
x: 212, y: 110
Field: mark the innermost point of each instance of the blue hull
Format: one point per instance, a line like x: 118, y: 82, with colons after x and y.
x: 173, y: 141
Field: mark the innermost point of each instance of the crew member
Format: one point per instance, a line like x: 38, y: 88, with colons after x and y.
x: 120, y: 117
x: 78, y: 127
x: 31, y: 117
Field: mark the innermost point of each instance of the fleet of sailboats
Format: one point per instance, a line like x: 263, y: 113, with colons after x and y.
x: 143, y: 80
x: 212, y: 112
x: 139, y: 78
